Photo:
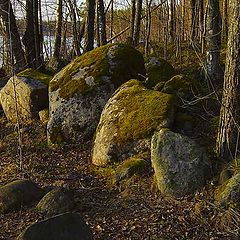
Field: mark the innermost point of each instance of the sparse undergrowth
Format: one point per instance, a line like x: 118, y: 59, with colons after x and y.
x: 129, y: 210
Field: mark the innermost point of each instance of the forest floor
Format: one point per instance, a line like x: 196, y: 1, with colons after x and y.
x: 131, y: 210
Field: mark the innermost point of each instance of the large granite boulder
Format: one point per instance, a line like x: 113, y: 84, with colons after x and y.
x: 228, y: 194
x: 158, y: 70
x: 180, y: 165
x: 25, y: 95
x: 128, y: 121
x: 67, y: 226
x: 79, y: 91
x: 17, y: 194
x: 56, y: 201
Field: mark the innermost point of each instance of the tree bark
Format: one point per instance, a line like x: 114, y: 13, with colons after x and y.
x: 89, y: 35
x: 102, y: 23
x: 58, y: 31
x: 137, y: 25
x: 32, y: 38
x: 213, y: 42
x: 8, y: 18
x: 228, y: 134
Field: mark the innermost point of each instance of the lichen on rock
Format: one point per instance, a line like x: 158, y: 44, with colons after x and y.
x: 128, y: 120
x: 158, y: 70
x: 228, y: 194
x: 79, y: 92
x: 180, y: 165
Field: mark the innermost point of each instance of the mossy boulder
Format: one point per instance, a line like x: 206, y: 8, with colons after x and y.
x: 228, y: 194
x: 68, y: 226
x: 131, y: 166
x: 128, y: 121
x: 158, y: 70
x: 44, y: 115
x: 181, y: 86
x: 79, y: 91
x: 17, y: 194
x: 180, y: 165
x: 55, y: 202
x: 28, y: 92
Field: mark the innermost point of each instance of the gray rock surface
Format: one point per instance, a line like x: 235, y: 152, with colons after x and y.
x: 25, y: 94
x: 79, y: 91
x: 180, y: 165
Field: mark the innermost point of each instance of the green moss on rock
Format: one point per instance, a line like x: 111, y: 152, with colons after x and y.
x: 131, y: 166
x: 179, y: 85
x: 158, y: 70
x: 228, y: 194
x: 18, y: 193
x: 117, y: 62
x: 36, y: 75
x: 141, y: 110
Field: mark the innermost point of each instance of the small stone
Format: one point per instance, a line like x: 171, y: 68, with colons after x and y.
x: 17, y: 194
x: 55, y: 202
x: 67, y: 226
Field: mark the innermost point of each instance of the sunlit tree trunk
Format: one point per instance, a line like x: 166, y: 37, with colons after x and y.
x: 228, y: 134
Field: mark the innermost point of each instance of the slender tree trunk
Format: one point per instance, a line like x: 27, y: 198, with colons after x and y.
x: 8, y: 18
x: 31, y: 38
x: 148, y: 26
x: 213, y: 41
x: 133, y: 15
x: 228, y: 134
x: 58, y: 31
x: 89, y: 35
x: 172, y: 20
x: 225, y: 20
x: 137, y: 25
x: 102, y: 23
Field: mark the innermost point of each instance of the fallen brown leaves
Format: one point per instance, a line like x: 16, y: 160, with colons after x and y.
x: 130, y: 211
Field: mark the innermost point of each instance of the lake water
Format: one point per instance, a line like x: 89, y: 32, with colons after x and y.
x: 48, y: 46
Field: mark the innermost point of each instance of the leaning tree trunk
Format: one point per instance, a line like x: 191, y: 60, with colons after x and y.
x: 213, y: 42
x: 89, y: 34
x: 8, y: 18
x: 58, y: 31
x: 228, y: 134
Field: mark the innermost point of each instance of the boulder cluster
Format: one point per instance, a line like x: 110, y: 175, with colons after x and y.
x: 128, y: 108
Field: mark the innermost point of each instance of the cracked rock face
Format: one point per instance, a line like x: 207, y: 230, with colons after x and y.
x: 79, y: 92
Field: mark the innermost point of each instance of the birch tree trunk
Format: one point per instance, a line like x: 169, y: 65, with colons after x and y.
x: 213, y: 41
